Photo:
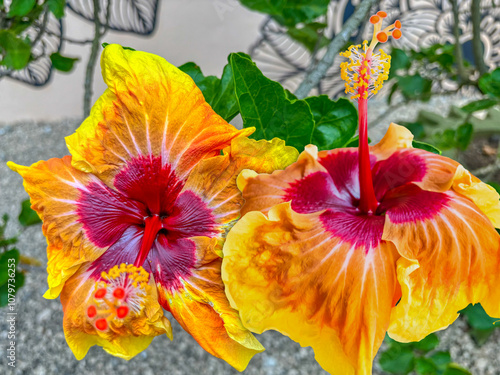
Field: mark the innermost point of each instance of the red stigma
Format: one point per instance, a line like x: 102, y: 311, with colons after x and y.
x: 382, y: 14
x: 100, y: 294
x: 374, y: 19
x: 91, y: 311
x: 101, y: 324
x: 121, y: 312
x: 396, y: 34
x: 397, y: 24
x: 119, y: 293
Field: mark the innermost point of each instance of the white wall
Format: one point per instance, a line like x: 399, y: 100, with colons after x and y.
x: 203, y: 31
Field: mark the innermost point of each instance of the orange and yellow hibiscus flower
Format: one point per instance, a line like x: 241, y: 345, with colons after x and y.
x: 346, y: 245
x: 135, y: 217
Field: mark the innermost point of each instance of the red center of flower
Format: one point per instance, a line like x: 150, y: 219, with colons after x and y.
x: 338, y: 193
x: 147, y: 220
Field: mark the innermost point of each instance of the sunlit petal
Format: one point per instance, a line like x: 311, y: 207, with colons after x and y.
x: 450, y: 258
x: 149, y: 108
x: 314, y: 282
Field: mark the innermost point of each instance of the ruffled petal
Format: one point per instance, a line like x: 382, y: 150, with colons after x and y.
x: 261, y: 192
x: 55, y: 187
x: 214, y: 179
x: 289, y: 272
x: 483, y: 195
x: 149, y: 108
x: 450, y: 258
x: 123, y: 338
x: 396, y: 138
x: 202, y: 309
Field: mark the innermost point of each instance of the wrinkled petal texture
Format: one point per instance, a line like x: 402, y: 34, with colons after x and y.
x: 146, y: 184
x: 429, y: 250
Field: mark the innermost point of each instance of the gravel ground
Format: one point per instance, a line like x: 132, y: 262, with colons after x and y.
x: 41, y: 347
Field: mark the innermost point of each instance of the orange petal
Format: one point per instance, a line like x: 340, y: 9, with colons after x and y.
x: 54, y: 187
x: 149, y: 108
x: 449, y: 259
x: 202, y: 309
x: 123, y: 338
x: 401, y: 160
x: 287, y: 273
x: 214, y: 179
x: 263, y: 191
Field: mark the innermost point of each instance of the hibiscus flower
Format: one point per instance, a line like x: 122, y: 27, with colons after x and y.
x: 136, y: 216
x: 346, y: 245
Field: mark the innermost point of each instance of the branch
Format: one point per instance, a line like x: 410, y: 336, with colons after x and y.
x: 477, y: 46
x: 458, y: 47
x: 318, y: 71
x: 89, y: 74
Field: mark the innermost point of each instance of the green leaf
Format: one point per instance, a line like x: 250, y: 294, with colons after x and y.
x: 426, y: 147
x: 4, y: 264
x: 397, y: 360
x: 21, y: 8
x: 57, y: 7
x: 425, y: 366
x: 399, y: 60
x: 310, y: 36
x: 463, y: 136
x: 4, y: 289
x: 335, y: 121
x: 289, y: 12
x: 265, y: 105
x: 415, y: 87
x: 62, y: 63
x: 16, y: 51
x: 479, y: 105
x: 427, y: 344
x: 454, y: 369
x: 219, y: 93
x: 441, y: 359
x: 27, y: 216
x: 489, y: 83
x: 482, y: 325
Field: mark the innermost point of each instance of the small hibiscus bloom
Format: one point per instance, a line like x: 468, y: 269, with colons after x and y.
x: 135, y: 218
x: 346, y: 245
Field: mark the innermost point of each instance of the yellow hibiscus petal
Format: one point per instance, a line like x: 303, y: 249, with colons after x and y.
x: 285, y: 272
x: 397, y: 137
x: 484, y: 196
x: 214, y: 179
x: 149, y: 108
x: 124, y: 337
x: 54, y: 187
x: 449, y: 259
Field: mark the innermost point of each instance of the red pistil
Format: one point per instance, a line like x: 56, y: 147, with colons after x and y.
x: 153, y: 225
x: 368, y: 202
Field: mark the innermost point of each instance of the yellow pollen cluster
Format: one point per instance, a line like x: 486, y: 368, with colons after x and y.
x: 119, y: 294
x: 366, y: 71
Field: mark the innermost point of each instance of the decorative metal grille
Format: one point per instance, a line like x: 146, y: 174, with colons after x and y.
x: 133, y: 16
x: 425, y: 22
x: 38, y: 71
